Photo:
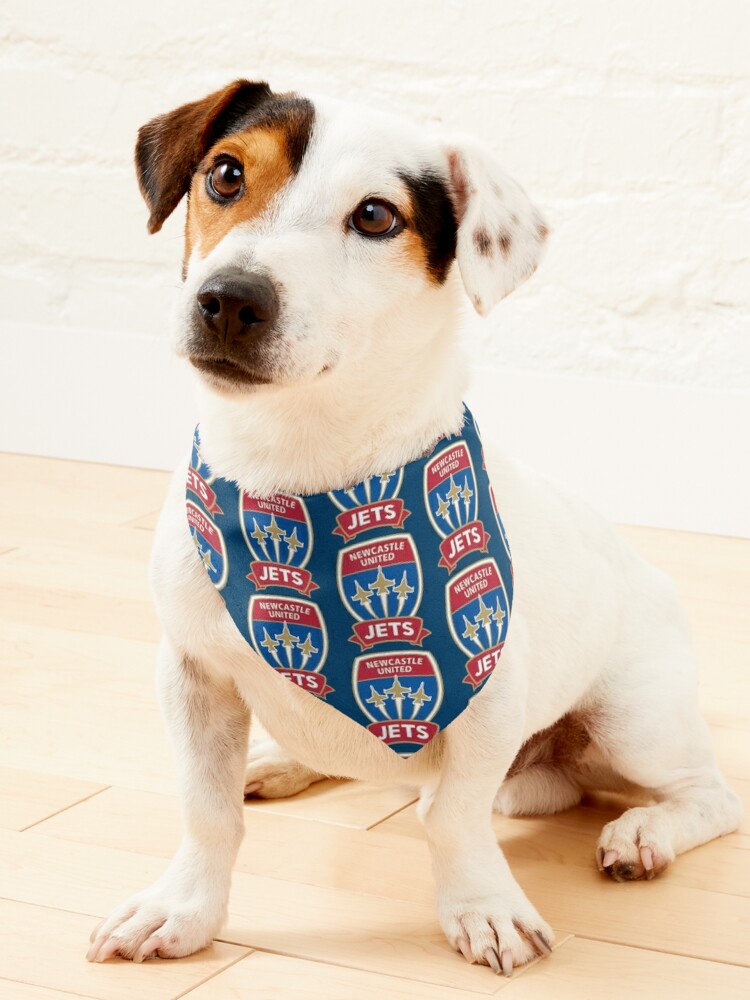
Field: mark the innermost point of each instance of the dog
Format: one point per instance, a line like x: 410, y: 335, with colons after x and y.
x: 327, y: 251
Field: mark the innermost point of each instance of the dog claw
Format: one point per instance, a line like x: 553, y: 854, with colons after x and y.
x: 463, y: 947
x: 506, y: 962
x: 94, y: 949
x: 149, y: 949
x: 493, y: 961
x: 609, y: 858
x: 600, y: 858
x: 95, y: 933
x: 541, y: 943
x: 647, y: 860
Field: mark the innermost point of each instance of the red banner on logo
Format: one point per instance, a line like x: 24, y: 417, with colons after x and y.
x: 470, y: 537
x: 197, y: 485
x: 308, y: 680
x: 378, y: 514
x: 400, y: 731
x: 271, y: 574
x: 479, y: 667
x: 405, y: 629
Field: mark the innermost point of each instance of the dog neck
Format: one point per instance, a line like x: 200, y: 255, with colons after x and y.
x: 340, y: 428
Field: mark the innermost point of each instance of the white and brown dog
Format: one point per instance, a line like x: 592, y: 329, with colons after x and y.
x: 319, y: 307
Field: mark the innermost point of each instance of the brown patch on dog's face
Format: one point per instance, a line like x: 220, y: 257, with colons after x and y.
x: 263, y: 154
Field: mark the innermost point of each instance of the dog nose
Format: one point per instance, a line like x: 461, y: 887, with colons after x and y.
x: 233, y: 304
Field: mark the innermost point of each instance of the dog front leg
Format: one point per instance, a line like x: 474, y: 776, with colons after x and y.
x: 183, y: 910
x: 484, y: 912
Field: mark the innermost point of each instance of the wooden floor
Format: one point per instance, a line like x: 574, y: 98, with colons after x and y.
x: 332, y: 895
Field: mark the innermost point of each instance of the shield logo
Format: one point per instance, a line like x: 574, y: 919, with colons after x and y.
x: 478, y: 609
x: 371, y: 490
x: 381, y: 578
x: 400, y: 692
x: 199, y: 479
x: 278, y: 529
x: 209, y: 541
x: 370, y: 504
x: 380, y: 582
x: 278, y: 532
x: 450, y: 489
x: 450, y: 493
x: 290, y: 634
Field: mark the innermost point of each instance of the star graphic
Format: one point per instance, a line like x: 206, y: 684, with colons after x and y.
x: 443, y: 506
x: 397, y: 690
x: 306, y: 647
x: 376, y: 699
x: 206, y: 557
x: 258, y: 533
x: 403, y: 589
x: 293, y: 543
x: 361, y: 595
x: 471, y: 630
x: 287, y: 638
x: 382, y: 583
x: 484, y: 614
x: 194, y: 536
x: 269, y: 642
x: 274, y: 531
x: 420, y: 696
x: 454, y: 491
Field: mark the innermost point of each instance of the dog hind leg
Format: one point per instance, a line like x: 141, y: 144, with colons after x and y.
x: 653, y: 734
x: 272, y: 774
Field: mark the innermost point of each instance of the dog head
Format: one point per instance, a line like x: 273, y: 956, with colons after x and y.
x: 322, y: 235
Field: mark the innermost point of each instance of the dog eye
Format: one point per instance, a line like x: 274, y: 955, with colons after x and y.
x: 224, y: 181
x: 374, y: 217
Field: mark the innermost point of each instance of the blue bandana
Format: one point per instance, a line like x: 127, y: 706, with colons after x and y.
x: 389, y: 600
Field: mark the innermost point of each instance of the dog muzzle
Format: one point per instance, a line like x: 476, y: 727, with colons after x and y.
x: 388, y: 600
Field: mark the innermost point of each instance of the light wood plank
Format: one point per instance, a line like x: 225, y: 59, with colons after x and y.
x: 26, y: 991
x: 48, y: 727
x: 275, y: 977
x: 45, y: 948
x: 27, y: 798
x: 356, y: 804
x: 107, y: 494
x: 60, y: 565
x: 147, y: 522
x: 583, y: 968
x: 339, y: 926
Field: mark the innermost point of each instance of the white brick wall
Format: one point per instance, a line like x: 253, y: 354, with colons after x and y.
x: 628, y: 121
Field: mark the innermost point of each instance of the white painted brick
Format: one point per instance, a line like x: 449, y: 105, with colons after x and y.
x: 629, y: 123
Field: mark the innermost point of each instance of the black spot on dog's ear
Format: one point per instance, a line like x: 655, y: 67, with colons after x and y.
x: 434, y: 220
x: 482, y: 242
x: 504, y: 241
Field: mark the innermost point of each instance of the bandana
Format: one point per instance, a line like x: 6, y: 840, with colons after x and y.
x: 388, y: 600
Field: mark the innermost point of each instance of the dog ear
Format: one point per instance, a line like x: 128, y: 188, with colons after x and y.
x: 170, y: 147
x: 501, y: 234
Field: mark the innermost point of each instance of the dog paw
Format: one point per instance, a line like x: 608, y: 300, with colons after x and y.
x: 491, y: 932
x: 151, y: 925
x: 636, y: 845
x: 271, y: 774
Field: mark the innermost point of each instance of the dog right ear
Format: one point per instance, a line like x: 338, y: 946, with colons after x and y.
x: 170, y: 147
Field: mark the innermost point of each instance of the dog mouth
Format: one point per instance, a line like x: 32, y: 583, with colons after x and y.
x: 226, y: 371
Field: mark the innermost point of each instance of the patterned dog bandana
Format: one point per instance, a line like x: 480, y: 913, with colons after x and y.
x: 390, y: 600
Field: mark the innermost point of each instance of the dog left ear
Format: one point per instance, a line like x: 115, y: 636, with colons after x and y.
x: 170, y: 147
x: 501, y: 234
